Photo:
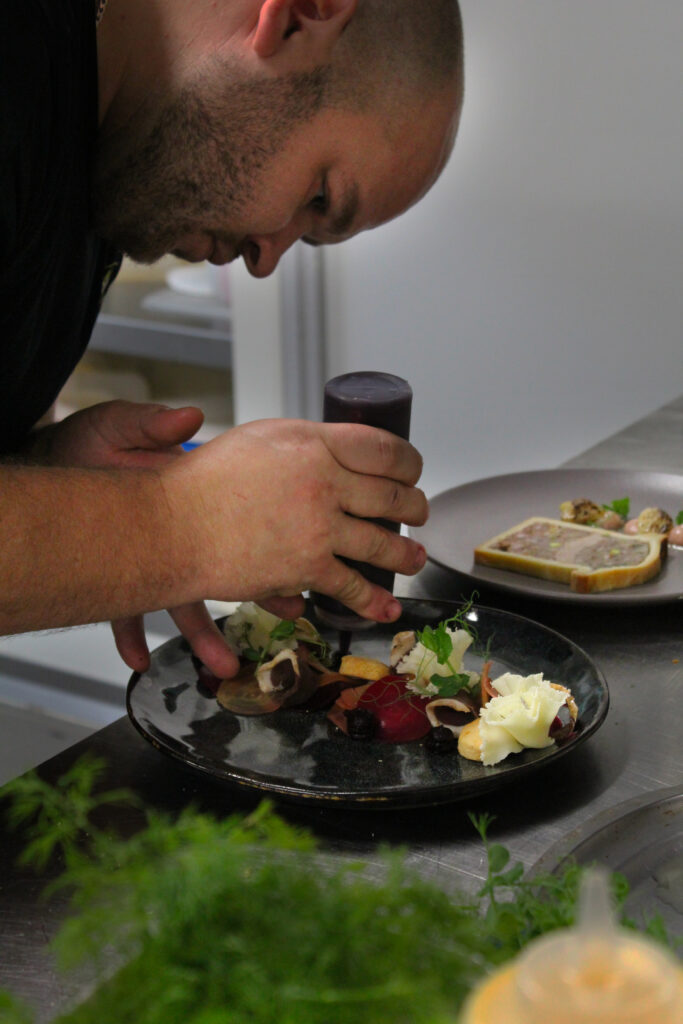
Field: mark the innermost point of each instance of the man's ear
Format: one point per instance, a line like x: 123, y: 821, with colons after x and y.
x: 319, y: 23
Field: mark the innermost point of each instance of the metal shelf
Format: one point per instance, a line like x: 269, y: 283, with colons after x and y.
x: 155, y: 339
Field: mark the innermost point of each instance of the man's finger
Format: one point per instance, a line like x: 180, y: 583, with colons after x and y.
x: 372, y: 451
x: 284, y: 607
x: 169, y: 426
x: 129, y: 636
x: 133, y: 425
x: 364, y: 541
x: 359, y: 595
x: 205, y: 639
x: 378, y: 498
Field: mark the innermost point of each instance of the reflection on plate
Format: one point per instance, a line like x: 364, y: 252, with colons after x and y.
x: 471, y: 514
x: 296, y: 755
x: 641, y: 838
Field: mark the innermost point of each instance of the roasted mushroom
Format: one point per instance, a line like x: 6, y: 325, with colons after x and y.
x: 588, y: 513
x: 454, y: 713
x: 580, y: 510
x: 654, y: 520
x: 402, y: 645
x: 289, y: 679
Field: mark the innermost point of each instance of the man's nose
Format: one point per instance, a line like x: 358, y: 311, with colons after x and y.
x: 261, y: 253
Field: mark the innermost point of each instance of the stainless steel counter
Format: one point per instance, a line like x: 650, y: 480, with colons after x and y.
x: 638, y: 750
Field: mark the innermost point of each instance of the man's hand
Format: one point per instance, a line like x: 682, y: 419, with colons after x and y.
x: 269, y: 508
x: 129, y: 434
x: 115, y: 434
x: 262, y: 513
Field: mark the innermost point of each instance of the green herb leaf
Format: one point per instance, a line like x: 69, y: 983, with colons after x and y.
x: 437, y: 640
x: 448, y: 686
x: 512, y: 876
x: 498, y: 856
x: 679, y: 518
x: 620, y: 505
x: 12, y: 1011
x: 284, y: 630
x: 251, y: 654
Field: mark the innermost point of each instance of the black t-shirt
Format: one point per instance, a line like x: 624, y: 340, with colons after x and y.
x: 52, y: 265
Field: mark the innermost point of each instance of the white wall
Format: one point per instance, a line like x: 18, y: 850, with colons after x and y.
x: 534, y: 298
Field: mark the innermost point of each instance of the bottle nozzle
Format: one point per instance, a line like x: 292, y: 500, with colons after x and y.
x: 596, y: 929
x: 598, y: 972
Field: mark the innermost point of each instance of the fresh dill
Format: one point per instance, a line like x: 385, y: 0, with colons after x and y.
x: 195, y: 920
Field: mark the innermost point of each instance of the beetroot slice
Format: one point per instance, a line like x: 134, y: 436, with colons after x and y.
x: 400, y: 714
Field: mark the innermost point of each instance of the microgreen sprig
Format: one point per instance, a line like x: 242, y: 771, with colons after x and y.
x: 285, y: 629
x: 438, y: 640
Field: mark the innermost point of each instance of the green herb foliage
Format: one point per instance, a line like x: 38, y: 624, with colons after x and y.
x: 284, y: 630
x: 620, y: 505
x: 198, y: 921
x: 679, y: 518
x: 448, y: 686
x: 438, y: 640
x: 12, y: 1011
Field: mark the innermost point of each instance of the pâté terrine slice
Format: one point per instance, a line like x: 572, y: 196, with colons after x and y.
x: 588, y: 558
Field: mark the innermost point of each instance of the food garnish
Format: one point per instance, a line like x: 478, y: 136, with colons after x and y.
x: 615, y: 516
x: 620, y: 505
x: 654, y: 520
x: 588, y: 513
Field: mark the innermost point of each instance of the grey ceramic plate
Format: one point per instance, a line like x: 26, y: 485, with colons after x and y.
x: 643, y: 839
x: 465, y: 516
x: 296, y: 755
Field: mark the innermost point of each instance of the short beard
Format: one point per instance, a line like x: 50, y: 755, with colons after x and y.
x: 196, y: 160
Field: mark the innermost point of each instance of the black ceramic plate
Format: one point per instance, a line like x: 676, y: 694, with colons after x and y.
x: 465, y: 516
x: 643, y: 839
x: 296, y: 755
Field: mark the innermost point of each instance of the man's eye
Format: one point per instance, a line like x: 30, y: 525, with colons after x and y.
x: 321, y: 202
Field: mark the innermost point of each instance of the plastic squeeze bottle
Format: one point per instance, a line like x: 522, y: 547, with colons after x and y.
x: 594, y: 973
x: 378, y: 400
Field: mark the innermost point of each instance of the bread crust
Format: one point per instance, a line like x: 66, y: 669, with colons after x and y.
x: 582, y: 579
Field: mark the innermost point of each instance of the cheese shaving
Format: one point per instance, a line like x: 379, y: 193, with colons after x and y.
x: 520, y: 717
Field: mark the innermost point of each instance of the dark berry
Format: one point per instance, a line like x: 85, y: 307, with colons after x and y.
x: 361, y: 724
x: 441, y: 741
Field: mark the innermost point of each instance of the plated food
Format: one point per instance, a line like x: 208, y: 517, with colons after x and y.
x: 298, y: 755
x: 593, y: 547
x: 464, y: 517
x: 615, y: 516
x: 421, y: 692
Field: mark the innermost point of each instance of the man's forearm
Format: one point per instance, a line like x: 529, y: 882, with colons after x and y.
x: 83, y: 546
x: 268, y: 509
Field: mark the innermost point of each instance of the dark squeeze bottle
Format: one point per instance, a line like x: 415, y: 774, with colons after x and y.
x: 378, y: 400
